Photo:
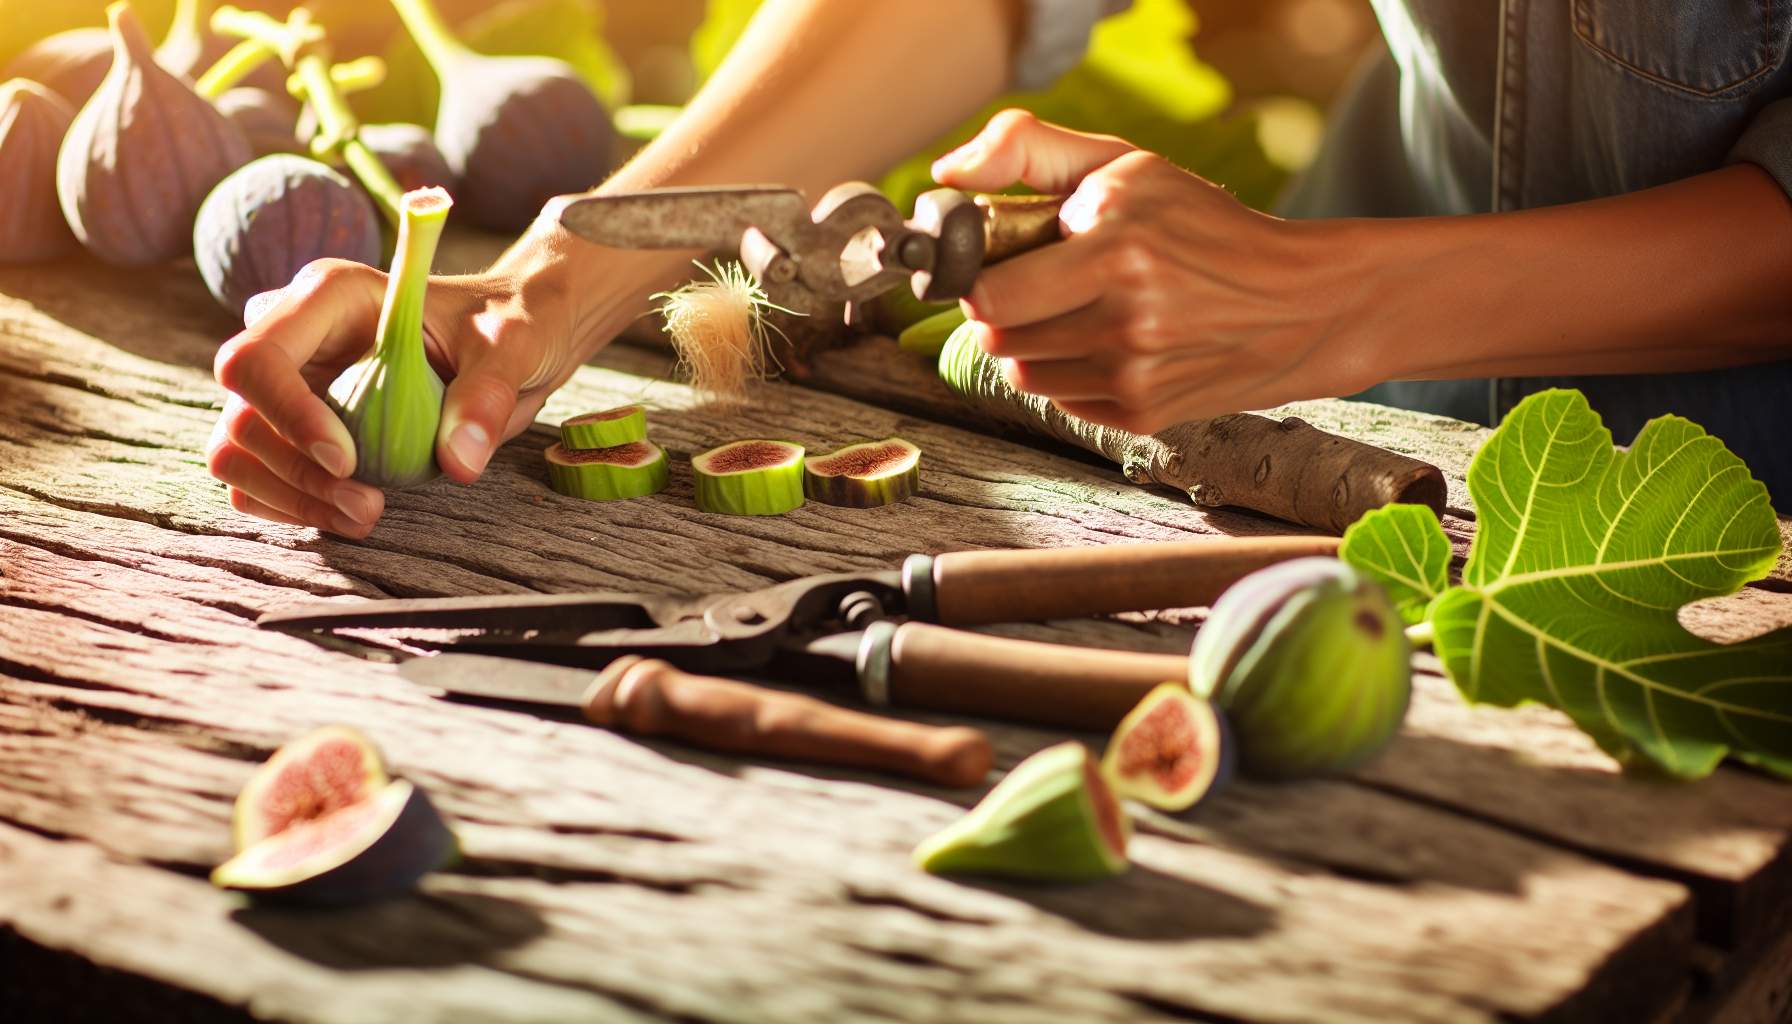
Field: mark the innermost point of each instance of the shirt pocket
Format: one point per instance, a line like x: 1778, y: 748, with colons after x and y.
x: 1704, y: 48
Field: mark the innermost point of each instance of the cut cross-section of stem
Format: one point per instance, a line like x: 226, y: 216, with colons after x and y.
x: 391, y: 401
x: 622, y: 425
x: 629, y: 470
x: 750, y: 478
x: 864, y: 475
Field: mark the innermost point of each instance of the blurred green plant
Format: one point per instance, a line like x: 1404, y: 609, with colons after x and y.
x: 570, y: 30
x: 1140, y: 80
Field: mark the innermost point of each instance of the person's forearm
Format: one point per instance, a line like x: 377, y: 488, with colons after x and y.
x: 822, y: 91
x: 1693, y: 275
x: 815, y: 93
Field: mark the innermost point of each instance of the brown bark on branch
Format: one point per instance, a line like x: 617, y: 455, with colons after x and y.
x: 1286, y: 468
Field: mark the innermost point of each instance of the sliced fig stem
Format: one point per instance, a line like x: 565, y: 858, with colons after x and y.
x: 401, y: 318
x: 441, y: 48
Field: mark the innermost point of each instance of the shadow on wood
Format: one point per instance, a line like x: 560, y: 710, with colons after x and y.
x: 429, y: 929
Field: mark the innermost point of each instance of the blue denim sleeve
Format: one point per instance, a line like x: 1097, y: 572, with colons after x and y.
x: 1768, y: 142
x: 1054, y: 38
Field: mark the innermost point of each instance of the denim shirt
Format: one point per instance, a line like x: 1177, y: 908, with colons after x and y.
x: 1492, y: 105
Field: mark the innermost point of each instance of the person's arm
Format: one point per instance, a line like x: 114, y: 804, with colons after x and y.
x: 1169, y: 300
x: 818, y: 91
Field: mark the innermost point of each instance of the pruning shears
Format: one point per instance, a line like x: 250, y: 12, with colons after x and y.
x: 886, y: 631
x: 850, y: 247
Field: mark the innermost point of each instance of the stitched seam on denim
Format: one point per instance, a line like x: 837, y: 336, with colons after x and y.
x: 1764, y: 54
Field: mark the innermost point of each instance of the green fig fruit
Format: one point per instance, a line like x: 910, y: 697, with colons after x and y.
x: 1052, y: 818
x: 1311, y: 664
x: 391, y: 401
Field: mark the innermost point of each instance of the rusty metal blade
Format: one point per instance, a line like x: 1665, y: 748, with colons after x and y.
x: 472, y: 675
x: 686, y: 218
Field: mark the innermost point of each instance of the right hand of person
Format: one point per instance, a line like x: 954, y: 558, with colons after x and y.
x: 503, y: 340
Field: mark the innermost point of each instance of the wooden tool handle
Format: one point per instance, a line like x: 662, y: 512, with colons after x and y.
x: 1022, y: 681
x: 649, y: 697
x: 1015, y: 224
x: 973, y: 587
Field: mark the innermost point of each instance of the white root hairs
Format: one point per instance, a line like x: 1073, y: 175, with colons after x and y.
x: 719, y: 331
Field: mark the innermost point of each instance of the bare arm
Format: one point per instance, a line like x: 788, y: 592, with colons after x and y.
x: 1171, y: 301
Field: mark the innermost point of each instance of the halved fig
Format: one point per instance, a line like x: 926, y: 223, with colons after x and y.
x: 750, y: 478
x: 1052, y: 818
x: 607, y: 474
x: 311, y: 777
x: 864, y: 475
x: 624, y: 424
x: 1171, y: 751
x: 373, y: 849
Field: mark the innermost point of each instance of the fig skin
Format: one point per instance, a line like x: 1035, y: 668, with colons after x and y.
x: 71, y: 64
x: 272, y: 216
x: 409, y: 152
x: 141, y: 156
x: 33, y: 121
x: 267, y: 119
x: 518, y: 131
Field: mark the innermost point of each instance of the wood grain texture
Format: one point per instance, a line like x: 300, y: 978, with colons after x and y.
x: 1493, y: 866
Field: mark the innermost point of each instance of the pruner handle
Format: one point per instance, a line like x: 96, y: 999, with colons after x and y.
x: 969, y: 232
x: 648, y: 697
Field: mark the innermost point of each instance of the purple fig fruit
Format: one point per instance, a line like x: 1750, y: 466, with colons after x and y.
x: 270, y: 217
x: 33, y: 121
x: 141, y: 156
x: 516, y: 131
x: 266, y: 119
x: 71, y: 64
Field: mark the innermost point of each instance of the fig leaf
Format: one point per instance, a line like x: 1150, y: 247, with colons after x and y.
x: 1406, y: 551
x: 1582, y: 559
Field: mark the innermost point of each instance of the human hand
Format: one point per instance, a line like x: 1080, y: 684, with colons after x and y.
x: 503, y: 339
x: 1168, y: 300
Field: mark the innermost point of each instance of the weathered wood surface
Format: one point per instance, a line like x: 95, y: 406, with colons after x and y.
x: 1492, y: 866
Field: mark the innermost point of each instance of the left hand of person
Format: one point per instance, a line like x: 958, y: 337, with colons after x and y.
x: 1168, y: 299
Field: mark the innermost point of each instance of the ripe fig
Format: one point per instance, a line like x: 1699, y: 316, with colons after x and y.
x: 864, y: 475
x: 391, y: 401
x: 311, y: 777
x: 71, y: 64
x: 750, y: 478
x: 266, y: 119
x: 272, y: 216
x: 1171, y: 751
x: 630, y: 470
x: 410, y: 153
x: 141, y: 156
x: 1052, y: 818
x: 375, y: 848
x: 32, y: 122
x: 516, y: 131
x: 607, y: 429
x: 1311, y: 664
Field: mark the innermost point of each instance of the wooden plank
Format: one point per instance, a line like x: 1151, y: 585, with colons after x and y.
x: 148, y: 524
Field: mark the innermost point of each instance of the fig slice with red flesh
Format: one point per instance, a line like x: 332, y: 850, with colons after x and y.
x: 309, y: 778
x: 607, y: 474
x: 1171, y: 751
x: 864, y: 475
x: 373, y: 849
x: 750, y: 478
x: 624, y: 424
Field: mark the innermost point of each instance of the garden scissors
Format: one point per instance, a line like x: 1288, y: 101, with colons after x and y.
x: 852, y: 246
x: 886, y: 631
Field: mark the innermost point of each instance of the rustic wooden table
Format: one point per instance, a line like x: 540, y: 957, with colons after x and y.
x: 1492, y: 866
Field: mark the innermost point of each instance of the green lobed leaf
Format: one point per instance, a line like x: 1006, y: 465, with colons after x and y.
x: 1402, y: 547
x: 1583, y: 556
